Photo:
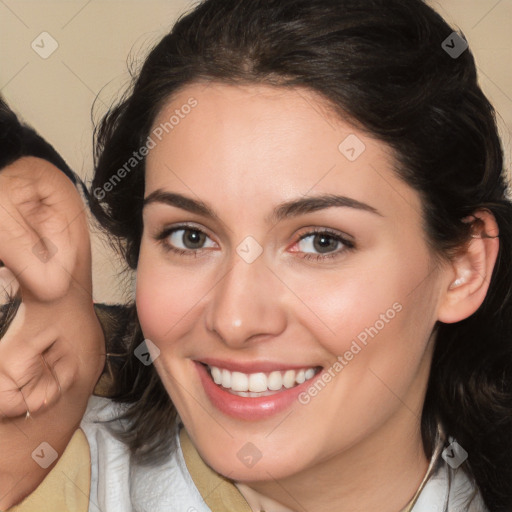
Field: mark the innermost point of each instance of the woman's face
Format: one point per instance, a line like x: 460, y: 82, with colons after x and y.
x: 285, y: 278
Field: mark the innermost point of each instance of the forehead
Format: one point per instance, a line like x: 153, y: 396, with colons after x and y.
x: 268, y: 142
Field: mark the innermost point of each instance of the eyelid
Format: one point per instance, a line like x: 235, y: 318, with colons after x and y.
x: 165, y: 231
x: 313, y: 230
x: 345, y: 238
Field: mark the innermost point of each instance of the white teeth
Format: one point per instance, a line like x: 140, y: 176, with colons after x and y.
x: 216, y: 375
x: 275, y: 381
x: 226, y: 379
x: 239, y: 381
x: 259, y: 384
x: 289, y: 379
x: 310, y: 373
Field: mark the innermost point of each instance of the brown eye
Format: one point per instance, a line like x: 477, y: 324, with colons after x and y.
x: 184, y: 239
x: 325, y: 243
x: 321, y: 243
x: 192, y: 238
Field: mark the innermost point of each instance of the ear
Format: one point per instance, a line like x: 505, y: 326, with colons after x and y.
x: 471, y: 270
x: 44, y: 237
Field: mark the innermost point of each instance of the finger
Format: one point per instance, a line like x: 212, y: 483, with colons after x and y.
x: 53, y: 376
x: 12, y: 402
x: 42, y: 391
x: 36, y: 387
x: 25, y: 378
x: 28, y: 336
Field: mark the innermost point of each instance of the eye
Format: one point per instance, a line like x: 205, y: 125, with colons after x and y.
x: 185, y: 239
x: 322, y: 244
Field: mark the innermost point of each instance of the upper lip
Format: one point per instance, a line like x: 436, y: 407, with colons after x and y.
x: 254, y: 366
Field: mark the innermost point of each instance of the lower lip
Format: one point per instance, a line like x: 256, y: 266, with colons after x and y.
x: 248, y: 408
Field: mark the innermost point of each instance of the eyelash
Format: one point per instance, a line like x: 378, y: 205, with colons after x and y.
x: 348, y: 245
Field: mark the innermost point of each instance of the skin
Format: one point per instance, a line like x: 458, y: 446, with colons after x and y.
x: 244, y: 150
x: 56, y: 321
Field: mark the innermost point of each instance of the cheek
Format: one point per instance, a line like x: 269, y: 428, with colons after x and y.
x: 153, y: 297
x: 368, y: 305
x: 345, y: 306
x: 166, y: 297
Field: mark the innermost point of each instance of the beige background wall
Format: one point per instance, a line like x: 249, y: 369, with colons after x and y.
x: 55, y: 94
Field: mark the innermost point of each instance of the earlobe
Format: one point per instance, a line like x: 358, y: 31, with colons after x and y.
x: 471, y: 270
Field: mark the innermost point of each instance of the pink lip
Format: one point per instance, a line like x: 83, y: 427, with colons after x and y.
x: 248, y: 408
x: 254, y: 366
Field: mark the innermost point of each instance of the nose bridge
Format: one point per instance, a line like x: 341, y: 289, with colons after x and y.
x: 245, y: 303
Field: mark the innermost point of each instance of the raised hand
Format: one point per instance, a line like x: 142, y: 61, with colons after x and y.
x: 54, y: 337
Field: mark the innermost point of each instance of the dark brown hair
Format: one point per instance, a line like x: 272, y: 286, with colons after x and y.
x: 380, y: 64
x: 17, y: 140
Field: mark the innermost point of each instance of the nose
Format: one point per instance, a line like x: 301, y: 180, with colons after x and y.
x: 245, y: 306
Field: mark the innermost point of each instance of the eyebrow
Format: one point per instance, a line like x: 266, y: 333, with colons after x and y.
x: 288, y: 209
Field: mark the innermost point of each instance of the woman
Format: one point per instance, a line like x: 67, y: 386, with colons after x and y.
x: 312, y: 194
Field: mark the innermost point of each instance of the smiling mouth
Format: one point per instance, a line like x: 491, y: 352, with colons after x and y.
x: 259, y: 384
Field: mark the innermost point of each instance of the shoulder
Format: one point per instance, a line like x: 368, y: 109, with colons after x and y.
x: 119, y: 484
x: 449, y: 490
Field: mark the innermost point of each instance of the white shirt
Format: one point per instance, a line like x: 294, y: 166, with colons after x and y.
x: 119, y: 485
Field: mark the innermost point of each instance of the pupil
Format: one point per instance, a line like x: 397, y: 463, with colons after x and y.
x: 323, y: 242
